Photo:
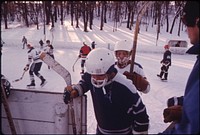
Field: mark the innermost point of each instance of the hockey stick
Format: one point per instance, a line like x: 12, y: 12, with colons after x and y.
x: 20, y: 77
x: 171, y: 126
x: 7, y: 110
x: 139, y: 18
x: 58, y: 68
x: 74, y: 64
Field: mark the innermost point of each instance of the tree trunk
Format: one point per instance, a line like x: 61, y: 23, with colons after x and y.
x: 5, y: 13
x: 102, y: 13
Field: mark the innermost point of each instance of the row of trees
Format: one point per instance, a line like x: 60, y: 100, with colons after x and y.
x: 48, y: 12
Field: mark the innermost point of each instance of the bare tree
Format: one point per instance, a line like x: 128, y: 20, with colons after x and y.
x: 91, y: 13
x: 158, y: 12
x: 103, y: 10
x: 178, y: 6
x: 25, y: 13
x: 85, y: 14
x: 166, y: 14
x: 4, y: 10
x: 71, y: 3
x: 61, y: 12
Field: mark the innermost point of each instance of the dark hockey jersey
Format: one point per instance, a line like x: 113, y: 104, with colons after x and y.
x: 118, y: 107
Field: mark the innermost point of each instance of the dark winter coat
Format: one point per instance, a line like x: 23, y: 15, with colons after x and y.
x: 117, y: 106
x: 166, y: 58
x: 189, y: 123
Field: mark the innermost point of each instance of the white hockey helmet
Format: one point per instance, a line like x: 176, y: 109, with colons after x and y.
x: 124, y: 45
x: 99, y: 61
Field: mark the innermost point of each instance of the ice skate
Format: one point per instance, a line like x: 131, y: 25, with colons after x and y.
x: 164, y: 79
x: 82, y: 72
x: 31, y: 86
x: 43, y: 82
x: 158, y: 75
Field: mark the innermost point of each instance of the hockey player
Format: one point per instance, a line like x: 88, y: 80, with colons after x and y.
x: 166, y: 62
x: 93, y: 44
x: 36, y: 63
x: 117, y: 105
x: 84, y: 51
x: 49, y: 50
x: 41, y: 43
x: 24, y: 42
x: 123, y: 51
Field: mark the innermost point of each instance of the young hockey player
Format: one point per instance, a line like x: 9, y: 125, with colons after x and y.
x: 36, y: 63
x: 166, y: 62
x: 117, y: 105
x: 123, y: 50
x: 49, y: 49
x: 84, y: 51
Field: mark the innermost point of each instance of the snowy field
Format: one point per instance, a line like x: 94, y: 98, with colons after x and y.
x: 67, y: 41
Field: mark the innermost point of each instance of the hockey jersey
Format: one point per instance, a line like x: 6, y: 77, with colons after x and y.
x: 34, y: 56
x: 137, y: 68
x: 118, y: 107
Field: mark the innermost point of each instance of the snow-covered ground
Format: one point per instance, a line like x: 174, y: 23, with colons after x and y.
x: 67, y: 41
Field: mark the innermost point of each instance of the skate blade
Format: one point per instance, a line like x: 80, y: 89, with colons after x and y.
x: 30, y: 87
x: 43, y: 84
x: 163, y: 80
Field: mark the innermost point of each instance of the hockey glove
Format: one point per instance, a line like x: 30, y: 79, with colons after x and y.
x: 175, y: 101
x: 140, y: 83
x: 69, y: 92
x: 26, y: 68
x: 172, y: 113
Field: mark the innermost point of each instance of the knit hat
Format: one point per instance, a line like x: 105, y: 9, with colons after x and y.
x: 190, y: 13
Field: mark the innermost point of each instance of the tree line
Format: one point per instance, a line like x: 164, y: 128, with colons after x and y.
x: 49, y: 12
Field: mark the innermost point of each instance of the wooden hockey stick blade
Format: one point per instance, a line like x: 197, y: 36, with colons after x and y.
x: 42, y: 55
x: 17, y: 80
x: 171, y: 126
x: 20, y: 77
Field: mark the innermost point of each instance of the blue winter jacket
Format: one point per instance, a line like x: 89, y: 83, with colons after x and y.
x: 189, y: 123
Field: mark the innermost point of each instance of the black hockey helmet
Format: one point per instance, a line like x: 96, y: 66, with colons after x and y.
x: 48, y: 41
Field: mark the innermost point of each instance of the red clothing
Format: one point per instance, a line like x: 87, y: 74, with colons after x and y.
x: 84, y: 51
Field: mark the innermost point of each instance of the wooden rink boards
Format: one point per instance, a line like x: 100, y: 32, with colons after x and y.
x: 39, y: 112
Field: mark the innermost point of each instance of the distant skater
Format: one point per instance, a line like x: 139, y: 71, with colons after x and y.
x: 24, y: 42
x: 166, y: 62
x: 49, y: 49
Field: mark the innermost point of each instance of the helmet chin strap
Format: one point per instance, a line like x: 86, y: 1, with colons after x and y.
x: 104, y: 82
x: 99, y: 83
